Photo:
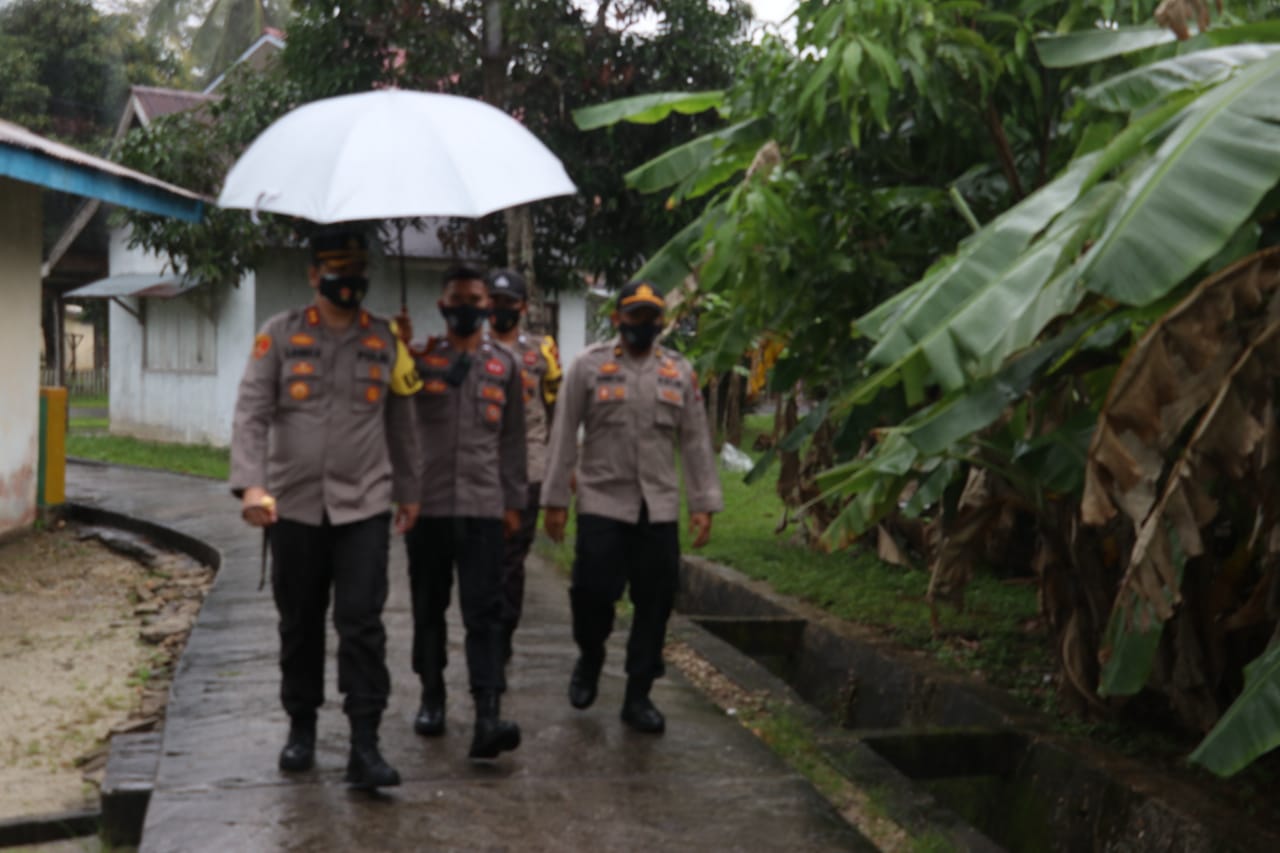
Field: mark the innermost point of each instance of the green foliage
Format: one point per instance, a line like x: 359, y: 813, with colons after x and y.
x: 65, y: 68
x: 555, y: 59
x: 1248, y: 728
x: 212, y: 34
x: 193, y: 149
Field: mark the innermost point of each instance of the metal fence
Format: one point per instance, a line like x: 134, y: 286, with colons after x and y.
x: 86, y: 383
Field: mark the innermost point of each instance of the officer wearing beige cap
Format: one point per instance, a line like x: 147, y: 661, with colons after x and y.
x: 322, y: 446
x: 639, y: 404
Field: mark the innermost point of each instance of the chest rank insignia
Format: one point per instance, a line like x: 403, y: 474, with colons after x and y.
x: 494, y: 367
x: 531, y: 358
x: 494, y: 393
x: 302, y: 340
x: 374, y: 342
x: 668, y: 372
x: 299, y: 390
x: 304, y: 368
x: 435, y: 386
x: 261, y: 345
x: 670, y: 395
x: 372, y: 393
x: 436, y: 361
x: 609, y: 368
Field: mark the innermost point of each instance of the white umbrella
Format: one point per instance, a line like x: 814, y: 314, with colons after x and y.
x: 393, y: 154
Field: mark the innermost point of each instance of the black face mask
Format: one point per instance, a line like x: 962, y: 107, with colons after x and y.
x: 463, y: 320
x: 639, y: 338
x: 345, y: 291
x: 504, y: 319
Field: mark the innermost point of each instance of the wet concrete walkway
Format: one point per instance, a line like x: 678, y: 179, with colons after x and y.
x: 580, y: 781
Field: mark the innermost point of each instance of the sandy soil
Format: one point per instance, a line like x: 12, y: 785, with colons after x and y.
x: 74, y: 666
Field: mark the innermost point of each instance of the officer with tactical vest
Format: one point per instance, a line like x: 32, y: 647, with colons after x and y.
x: 322, y: 446
x: 638, y: 403
x: 540, y: 371
x: 471, y: 434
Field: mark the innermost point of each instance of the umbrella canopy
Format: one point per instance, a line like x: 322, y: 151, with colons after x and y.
x: 393, y: 154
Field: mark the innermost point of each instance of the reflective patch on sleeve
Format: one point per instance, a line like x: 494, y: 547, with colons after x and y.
x: 404, y: 375
x: 261, y: 345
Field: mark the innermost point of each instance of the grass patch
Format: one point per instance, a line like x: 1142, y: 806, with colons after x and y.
x: 89, y: 424
x: 88, y: 401
x: 199, y: 459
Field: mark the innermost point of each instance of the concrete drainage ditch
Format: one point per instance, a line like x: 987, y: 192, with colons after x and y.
x: 951, y: 757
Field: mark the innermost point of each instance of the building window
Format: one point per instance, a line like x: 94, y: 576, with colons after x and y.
x: 180, y: 335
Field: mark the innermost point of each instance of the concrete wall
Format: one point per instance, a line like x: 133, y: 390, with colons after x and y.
x: 185, y: 407
x: 20, y: 342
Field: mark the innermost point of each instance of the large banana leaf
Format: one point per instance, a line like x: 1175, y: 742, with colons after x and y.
x: 669, y: 266
x: 1135, y: 89
x: 1248, y: 729
x: 967, y: 329
x: 682, y: 162
x: 1085, y: 46
x: 904, y: 319
x: 646, y: 109
x: 1191, y: 197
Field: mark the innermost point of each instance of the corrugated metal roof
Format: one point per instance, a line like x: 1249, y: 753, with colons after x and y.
x: 134, y: 284
x: 152, y: 102
x: 26, y: 156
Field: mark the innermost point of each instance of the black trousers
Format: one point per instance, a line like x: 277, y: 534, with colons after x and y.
x: 435, y: 545
x: 307, y: 561
x: 610, y: 555
x: 513, y: 556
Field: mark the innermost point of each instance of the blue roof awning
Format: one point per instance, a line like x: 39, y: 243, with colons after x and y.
x: 25, y: 156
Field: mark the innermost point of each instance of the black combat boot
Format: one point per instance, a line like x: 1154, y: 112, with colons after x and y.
x: 585, y: 679
x: 638, y: 712
x: 366, y: 767
x: 430, y: 719
x: 299, y: 751
x: 492, y: 735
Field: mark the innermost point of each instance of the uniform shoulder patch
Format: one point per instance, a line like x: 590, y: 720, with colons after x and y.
x: 261, y: 345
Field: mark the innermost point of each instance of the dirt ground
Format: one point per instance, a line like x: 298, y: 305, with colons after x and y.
x: 87, y: 641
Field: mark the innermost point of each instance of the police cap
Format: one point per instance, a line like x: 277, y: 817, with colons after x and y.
x: 640, y: 294
x: 338, y: 247
x: 508, y: 282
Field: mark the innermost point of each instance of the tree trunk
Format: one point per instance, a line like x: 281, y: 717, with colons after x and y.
x: 733, y: 411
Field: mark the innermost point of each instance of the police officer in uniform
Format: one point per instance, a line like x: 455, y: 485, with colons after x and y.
x: 638, y: 403
x: 540, y: 371
x: 322, y: 445
x: 470, y: 421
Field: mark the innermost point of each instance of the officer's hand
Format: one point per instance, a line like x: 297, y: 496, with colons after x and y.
x: 406, y: 517
x: 404, y: 327
x: 257, y: 507
x: 553, y: 521
x: 510, y: 522
x: 700, y: 528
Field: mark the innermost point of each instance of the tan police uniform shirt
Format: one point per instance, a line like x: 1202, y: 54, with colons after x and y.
x: 541, y: 374
x: 323, y: 419
x: 471, y: 437
x: 635, y: 413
